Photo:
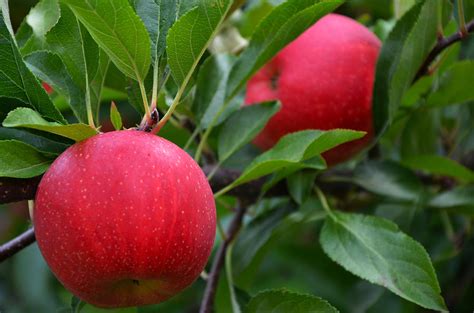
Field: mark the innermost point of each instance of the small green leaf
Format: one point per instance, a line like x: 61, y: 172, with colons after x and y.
x: 440, y: 165
x: 376, y: 250
x: 455, y: 85
x: 43, y: 17
x: 300, y: 185
x: 243, y: 126
x: 190, y: 36
x: 458, y: 200
x: 276, y: 301
x: 115, y: 117
x: 20, y: 160
x: 389, y: 179
x: 27, y: 118
x: 295, y: 148
x: 17, y: 82
x: 118, y: 31
x: 281, y: 26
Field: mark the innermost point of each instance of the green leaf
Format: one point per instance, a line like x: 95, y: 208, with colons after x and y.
x: 158, y: 17
x: 421, y: 134
x: 257, y: 233
x: 20, y: 160
x: 458, y: 200
x: 440, y: 165
x: 293, y: 149
x: 243, y: 126
x: 300, y: 185
x: 118, y: 31
x: 17, y: 82
x: 283, y: 25
x: 27, y: 118
x: 455, y: 85
x: 210, y: 90
x: 190, y: 36
x: 376, y: 250
x: 279, y: 300
x: 37, y: 24
x: 40, y: 143
x: 402, y: 54
x: 43, y: 17
x: 50, y: 68
x: 115, y: 117
x: 389, y: 179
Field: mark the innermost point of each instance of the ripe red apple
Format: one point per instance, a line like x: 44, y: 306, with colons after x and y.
x: 125, y: 218
x: 324, y: 80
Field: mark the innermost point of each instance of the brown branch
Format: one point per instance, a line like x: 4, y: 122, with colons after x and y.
x: 15, y: 189
x: 219, y: 260
x: 443, y: 43
x: 17, y: 244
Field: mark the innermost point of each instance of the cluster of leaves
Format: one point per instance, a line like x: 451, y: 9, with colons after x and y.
x: 185, y: 57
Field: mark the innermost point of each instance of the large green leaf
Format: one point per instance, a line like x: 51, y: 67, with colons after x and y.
x: 27, y: 118
x: 402, y: 54
x: 243, y: 126
x: 279, y: 301
x: 210, y: 91
x: 439, y: 165
x: 16, y: 80
x: 50, y: 68
x: 455, y: 85
x: 118, y: 31
x: 293, y: 149
x: 158, y: 17
x: 40, y: 143
x: 190, y: 36
x: 389, y: 179
x: 376, y: 250
x: 284, y: 24
x: 20, y: 160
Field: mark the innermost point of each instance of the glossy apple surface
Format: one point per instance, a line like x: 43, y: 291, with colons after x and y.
x: 324, y: 80
x: 125, y: 219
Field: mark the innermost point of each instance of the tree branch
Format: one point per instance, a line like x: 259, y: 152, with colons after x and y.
x: 442, y: 44
x: 15, y: 189
x: 17, y: 244
x: 219, y: 260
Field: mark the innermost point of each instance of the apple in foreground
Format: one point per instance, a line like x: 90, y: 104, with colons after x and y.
x: 324, y: 80
x: 124, y: 219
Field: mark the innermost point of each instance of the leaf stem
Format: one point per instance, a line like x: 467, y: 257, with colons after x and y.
x: 324, y: 203
x: 145, y: 100
x: 230, y: 279
x: 462, y: 21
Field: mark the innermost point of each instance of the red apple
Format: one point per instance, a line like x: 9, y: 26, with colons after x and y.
x: 324, y: 80
x: 124, y: 219
x: 47, y: 88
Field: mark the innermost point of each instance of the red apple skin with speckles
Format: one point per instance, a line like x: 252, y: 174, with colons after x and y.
x: 324, y: 80
x: 125, y: 219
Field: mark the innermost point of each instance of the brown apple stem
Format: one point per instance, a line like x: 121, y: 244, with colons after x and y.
x: 17, y: 244
x: 442, y: 44
x: 207, y: 303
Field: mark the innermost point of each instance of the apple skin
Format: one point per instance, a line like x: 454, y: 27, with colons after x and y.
x: 324, y: 80
x: 124, y: 219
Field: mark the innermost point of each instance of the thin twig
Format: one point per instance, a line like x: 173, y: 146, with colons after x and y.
x: 15, y: 189
x: 17, y: 244
x: 442, y: 44
x: 219, y: 261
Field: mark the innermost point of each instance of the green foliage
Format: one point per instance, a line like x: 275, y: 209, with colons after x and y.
x: 376, y: 250
x: 274, y: 301
x: 20, y: 160
x: 115, y: 117
x: 27, y: 118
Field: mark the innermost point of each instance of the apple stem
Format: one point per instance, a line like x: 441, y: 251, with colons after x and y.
x: 17, y: 244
